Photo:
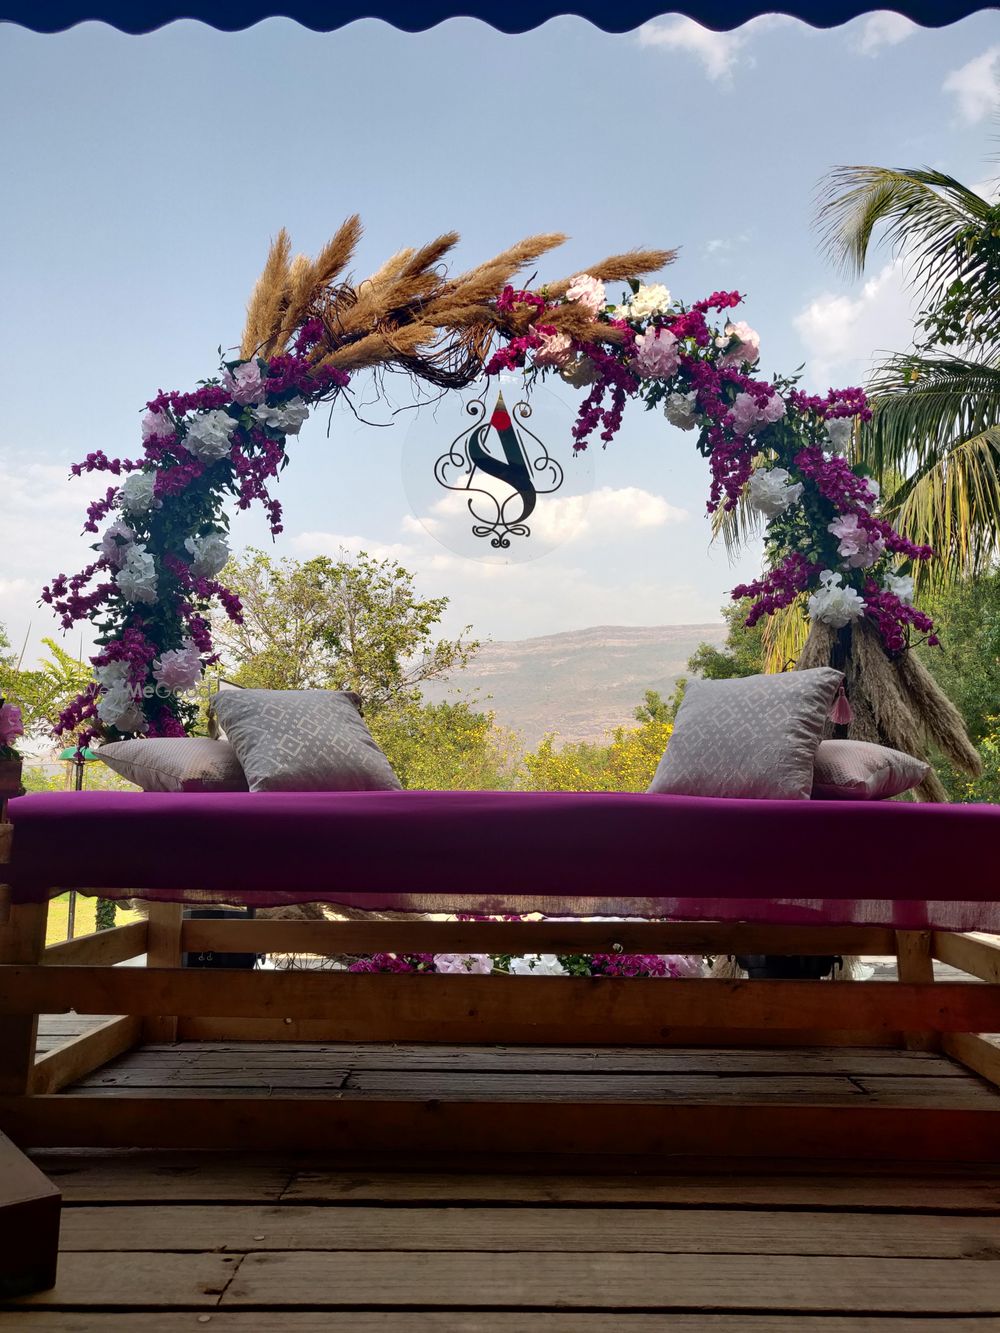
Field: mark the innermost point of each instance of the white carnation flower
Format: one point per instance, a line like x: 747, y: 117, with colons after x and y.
x: 834, y: 604
x: 679, y: 409
x: 653, y: 299
x: 839, y: 431
x: 136, y: 495
x: 771, y: 492
x: 115, y: 543
x: 209, y: 554
x: 137, y: 578
x: 208, y: 435
x: 901, y: 585
x: 287, y: 418
x: 537, y: 965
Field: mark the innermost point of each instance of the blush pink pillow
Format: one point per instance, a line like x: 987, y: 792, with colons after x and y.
x: 860, y: 771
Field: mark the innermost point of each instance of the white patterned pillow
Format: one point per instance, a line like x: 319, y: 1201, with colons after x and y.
x: 755, y: 736
x: 861, y: 771
x: 182, y: 763
x: 303, y: 740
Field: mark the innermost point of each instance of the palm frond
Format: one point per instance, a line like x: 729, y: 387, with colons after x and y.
x: 922, y: 406
x: 927, y: 215
x: 737, y: 526
x: 785, y: 632
x: 952, y: 504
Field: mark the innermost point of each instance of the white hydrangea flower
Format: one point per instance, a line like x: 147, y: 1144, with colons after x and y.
x: 115, y: 543
x: 287, y: 418
x: 209, y: 554
x: 834, y: 604
x: 651, y: 299
x: 679, y: 409
x: 136, y: 495
x: 771, y: 491
x: 899, y: 584
x: 209, y: 435
x: 537, y: 965
x: 137, y: 577
x: 117, y: 708
x: 838, y: 432
x: 114, y: 673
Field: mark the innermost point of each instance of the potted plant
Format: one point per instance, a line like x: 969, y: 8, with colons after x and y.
x: 11, y: 727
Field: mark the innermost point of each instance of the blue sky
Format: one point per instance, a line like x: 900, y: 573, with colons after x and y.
x: 144, y: 177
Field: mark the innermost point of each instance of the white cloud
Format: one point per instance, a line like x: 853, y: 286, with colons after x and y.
x: 718, y: 52
x: 883, y: 29
x: 843, y: 335
x: 976, y: 86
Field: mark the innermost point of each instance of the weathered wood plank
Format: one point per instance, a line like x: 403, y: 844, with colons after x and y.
x: 617, y: 1281
x: 314, y: 1122
x: 193, y: 1280
x: 328, y: 1031
x: 914, y: 963
x: 100, y: 947
x: 347, y: 937
x: 774, y: 1190
x: 473, y: 1321
x: 573, y: 1230
x: 980, y: 1053
x: 573, y: 1010
x: 78, y: 1057
x: 208, y: 1177
x: 515, y: 1059
x: 164, y: 924
x: 979, y: 957
x: 22, y: 940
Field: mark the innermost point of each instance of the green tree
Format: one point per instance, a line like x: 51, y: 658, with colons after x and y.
x: 934, y: 438
x: 625, y: 762
x: 355, y: 624
x: 43, y: 691
x: 742, y: 653
x: 445, y: 747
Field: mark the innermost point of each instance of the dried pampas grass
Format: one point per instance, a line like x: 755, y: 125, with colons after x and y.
x: 895, y: 701
x: 409, y: 314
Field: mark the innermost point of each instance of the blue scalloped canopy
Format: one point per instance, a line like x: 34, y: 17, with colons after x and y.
x: 415, y: 15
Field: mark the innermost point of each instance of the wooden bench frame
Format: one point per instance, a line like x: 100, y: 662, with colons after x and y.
x: 165, y: 1002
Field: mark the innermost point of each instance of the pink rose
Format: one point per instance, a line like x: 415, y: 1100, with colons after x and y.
x: 588, y: 292
x: 746, y: 347
x: 11, y: 725
x: 656, y: 354
x: 555, y: 350
x: 245, y: 383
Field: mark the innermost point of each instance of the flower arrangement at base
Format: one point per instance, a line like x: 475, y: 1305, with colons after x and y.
x: 11, y: 728
x: 534, y: 964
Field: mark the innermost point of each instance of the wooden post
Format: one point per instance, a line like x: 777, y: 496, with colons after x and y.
x: 915, y: 963
x: 22, y: 940
x: 163, y: 949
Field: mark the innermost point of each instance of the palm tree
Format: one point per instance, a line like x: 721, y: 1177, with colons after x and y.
x: 934, y: 438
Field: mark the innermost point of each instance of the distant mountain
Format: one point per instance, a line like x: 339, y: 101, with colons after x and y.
x: 579, y: 684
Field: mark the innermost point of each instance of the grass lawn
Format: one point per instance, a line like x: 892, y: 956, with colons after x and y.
x: 84, y: 924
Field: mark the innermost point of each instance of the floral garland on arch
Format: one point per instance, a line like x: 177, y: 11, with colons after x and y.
x: 153, y: 584
x: 766, y: 442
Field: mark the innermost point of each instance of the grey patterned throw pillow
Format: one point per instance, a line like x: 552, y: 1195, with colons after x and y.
x: 754, y: 737
x: 302, y: 740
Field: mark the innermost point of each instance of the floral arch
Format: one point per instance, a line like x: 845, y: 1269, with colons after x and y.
x: 153, y: 584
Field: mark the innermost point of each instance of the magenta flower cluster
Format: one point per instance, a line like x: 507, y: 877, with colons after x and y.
x: 170, y: 594
x: 745, y: 423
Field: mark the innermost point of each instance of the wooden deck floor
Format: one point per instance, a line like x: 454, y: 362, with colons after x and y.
x: 456, y: 1240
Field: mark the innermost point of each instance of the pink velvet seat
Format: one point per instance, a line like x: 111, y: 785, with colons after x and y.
x: 677, y: 857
